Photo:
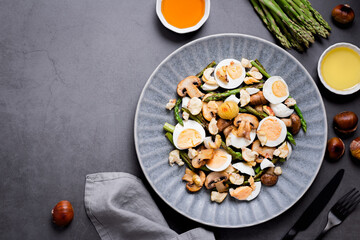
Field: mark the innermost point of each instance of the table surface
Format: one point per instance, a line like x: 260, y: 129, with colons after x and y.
x: 71, y: 73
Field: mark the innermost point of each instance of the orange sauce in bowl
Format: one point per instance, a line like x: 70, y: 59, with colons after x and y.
x: 183, y: 13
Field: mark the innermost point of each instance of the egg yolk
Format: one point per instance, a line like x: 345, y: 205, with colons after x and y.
x: 189, y: 138
x: 218, y: 160
x: 234, y: 70
x: 279, y: 89
x: 272, y: 129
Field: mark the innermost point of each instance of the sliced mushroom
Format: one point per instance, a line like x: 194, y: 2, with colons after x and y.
x: 282, y: 151
x: 190, y: 176
x: 222, y: 124
x: 207, y: 78
x: 293, y: 123
x: 221, y: 186
x: 209, y: 110
x: 228, y: 130
x: 215, y: 177
x: 258, y: 99
x: 246, y: 122
x: 202, y: 157
x: 209, y: 143
x: 249, y: 155
x: 190, y: 86
x: 266, y: 152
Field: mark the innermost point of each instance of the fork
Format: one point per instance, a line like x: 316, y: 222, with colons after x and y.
x: 341, y: 210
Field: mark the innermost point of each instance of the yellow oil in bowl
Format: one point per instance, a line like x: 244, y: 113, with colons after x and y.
x: 340, y: 68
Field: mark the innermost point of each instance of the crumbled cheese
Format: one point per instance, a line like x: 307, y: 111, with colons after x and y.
x: 171, y: 104
x: 290, y: 102
x: 278, y: 171
x: 174, y: 157
x: 213, y: 128
x: 192, y: 153
x: 218, y: 197
x: 195, y: 106
x: 236, y: 178
x: 246, y: 63
x: 249, y: 155
x: 185, y: 116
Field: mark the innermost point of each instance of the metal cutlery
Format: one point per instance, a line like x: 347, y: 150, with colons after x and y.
x: 341, y: 210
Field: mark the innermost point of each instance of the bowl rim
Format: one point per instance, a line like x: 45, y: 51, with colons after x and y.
x: 336, y: 45
x: 182, y: 30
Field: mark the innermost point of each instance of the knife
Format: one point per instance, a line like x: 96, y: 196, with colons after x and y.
x: 316, y: 206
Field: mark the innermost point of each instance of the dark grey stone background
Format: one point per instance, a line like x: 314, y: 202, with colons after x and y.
x: 71, y: 73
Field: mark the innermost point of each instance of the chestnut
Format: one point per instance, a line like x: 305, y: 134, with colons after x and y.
x: 343, y: 14
x: 345, y: 122
x: 355, y: 148
x: 62, y: 213
x: 335, y: 148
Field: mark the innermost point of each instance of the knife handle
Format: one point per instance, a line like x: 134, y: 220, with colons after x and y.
x: 290, y: 234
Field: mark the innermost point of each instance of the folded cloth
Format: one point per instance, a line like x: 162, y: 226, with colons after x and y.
x: 120, y: 207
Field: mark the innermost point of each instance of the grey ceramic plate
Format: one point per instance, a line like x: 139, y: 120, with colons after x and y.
x: 153, y: 148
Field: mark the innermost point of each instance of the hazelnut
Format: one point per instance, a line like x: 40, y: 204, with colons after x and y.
x: 62, y: 213
x: 345, y: 122
x: 335, y: 148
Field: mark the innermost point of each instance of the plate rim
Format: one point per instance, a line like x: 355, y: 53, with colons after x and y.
x: 203, y: 39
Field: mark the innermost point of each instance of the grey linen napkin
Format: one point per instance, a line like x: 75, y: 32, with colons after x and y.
x: 120, y: 207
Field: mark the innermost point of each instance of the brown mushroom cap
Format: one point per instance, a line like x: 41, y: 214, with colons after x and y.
x: 190, y: 185
x: 266, y: 152
x: 189, y: 86
x: 222, y: 124
x: 246, y: 117
x: 209, y: 110
x: 258, y: 99
x: 269, y: 179
x: 215, y: 177
x: 293, y: 123
x: 228, y: 130
x: 202, y: 157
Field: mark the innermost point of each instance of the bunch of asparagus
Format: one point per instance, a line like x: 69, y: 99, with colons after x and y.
x: 295, y: 23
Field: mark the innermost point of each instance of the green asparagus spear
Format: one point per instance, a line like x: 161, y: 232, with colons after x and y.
x: 300, y: 18
x: 197, y: 118
x: 169, y: 128
x: 290, y: 138
x: 300, y: 35
x: 261, y: 69
x: 235, y: 155
x: 270, y: 24
x: 319, y: 29
x: 316, y: 14
x: 295, y: 44
x: 177, y: 112
x: 223, y: 95
x: 186, y: 159
x: 212, y: 64
x: 169, y: 137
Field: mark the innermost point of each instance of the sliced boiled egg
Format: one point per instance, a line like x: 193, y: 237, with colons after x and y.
x: 185, y: 102
x: 232, y: 98
x: 220, y: 161
x: 281, y: 110
x: 256, y: 191
x: 240, y: 142
x: 208, y: 87
x: 274, y: 130
x: 266, y: 163
x: 188, y: 136
x: 244, y: 168
x: 275, y: 90
x: 229, y: 73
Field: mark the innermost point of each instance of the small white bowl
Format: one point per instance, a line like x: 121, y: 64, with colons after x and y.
x: 183, y: 30
x: 340, y: 92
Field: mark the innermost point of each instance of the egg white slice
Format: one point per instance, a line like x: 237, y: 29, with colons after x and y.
x: 185, y: 102
x: 226, y: 163
x: 240, y: 142
x: 266, y: 163
x: 232, y: 98
x: 275, y: 90
x: 244, y: 168
x: 189, y: 124
x: 233, y: 83
x: 208, y: 87
x: 252, y: 91
x: 281, y: 110
x: 280, y: 137
x: 256, y: 192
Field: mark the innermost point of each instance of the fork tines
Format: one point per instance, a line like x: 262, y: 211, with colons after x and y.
x: 346, y: 204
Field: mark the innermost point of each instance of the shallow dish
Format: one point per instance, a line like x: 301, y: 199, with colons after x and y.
x: 182, y: 30
x: 153, y: 148
x: 340, y: 92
